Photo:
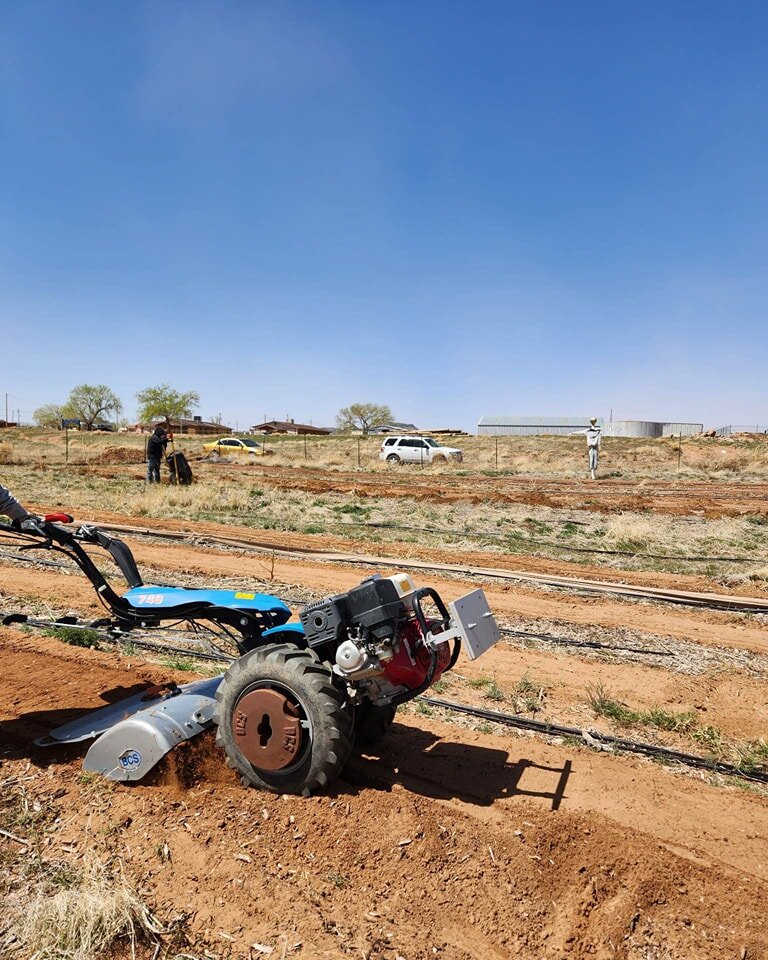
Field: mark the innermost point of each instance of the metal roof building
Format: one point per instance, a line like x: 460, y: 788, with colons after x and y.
x: 289, y: 426
x: 513, y: 426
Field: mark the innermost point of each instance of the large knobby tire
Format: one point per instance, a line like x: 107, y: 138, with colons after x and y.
x: 282, y: 722
x: 372, y: 724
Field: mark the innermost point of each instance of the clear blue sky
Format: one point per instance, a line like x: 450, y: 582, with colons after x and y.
x: 455, y: 208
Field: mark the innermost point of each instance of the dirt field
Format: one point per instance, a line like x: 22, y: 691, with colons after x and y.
x: 456, y: 839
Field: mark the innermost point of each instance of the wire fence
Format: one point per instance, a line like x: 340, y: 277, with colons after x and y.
x: 732, y: 428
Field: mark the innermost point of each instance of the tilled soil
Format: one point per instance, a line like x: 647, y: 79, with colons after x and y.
x: 445, y: 844
x: 449, y: 841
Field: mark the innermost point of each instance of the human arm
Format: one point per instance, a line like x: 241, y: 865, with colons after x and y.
x: 10, y: 506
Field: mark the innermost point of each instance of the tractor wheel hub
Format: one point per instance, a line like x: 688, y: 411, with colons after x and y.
x: 267, y: 729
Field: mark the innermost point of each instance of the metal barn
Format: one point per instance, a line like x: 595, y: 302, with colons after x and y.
x: 513, y: 426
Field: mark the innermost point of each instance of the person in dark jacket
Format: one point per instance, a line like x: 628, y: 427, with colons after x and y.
x: 10, y: 506
x: 21, y: 519
x: 155, y: 452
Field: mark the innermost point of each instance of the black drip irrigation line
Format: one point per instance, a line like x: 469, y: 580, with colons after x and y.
x: 590, y: 737
x: 125, y: 640
x: 297, y: 601
x: 150, y: 645
x: 601, y: 740
x: 510, y: 540
x: 36, y: 560
x: 592, y: 644
x: 582, y: 587
x: 71, y: 568
x: 492, y: 535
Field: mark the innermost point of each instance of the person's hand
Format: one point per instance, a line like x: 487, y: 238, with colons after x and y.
x: 31, y: 524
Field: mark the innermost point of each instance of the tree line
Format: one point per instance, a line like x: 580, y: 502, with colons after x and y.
x: 92, y: 404
x: 96, y: 403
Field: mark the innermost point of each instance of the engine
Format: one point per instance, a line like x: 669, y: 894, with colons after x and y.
x: 379, y: 639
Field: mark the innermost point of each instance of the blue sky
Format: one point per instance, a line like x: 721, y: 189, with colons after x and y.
x: 455, y: 208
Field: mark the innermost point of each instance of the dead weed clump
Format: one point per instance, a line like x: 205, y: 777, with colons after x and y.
x: 83, y: 921
x: 631, y: 531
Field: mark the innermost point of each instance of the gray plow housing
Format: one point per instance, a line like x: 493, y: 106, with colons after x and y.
x: 135, y: 734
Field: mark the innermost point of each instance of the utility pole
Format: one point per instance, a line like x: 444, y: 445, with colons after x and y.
x: 6, y: 409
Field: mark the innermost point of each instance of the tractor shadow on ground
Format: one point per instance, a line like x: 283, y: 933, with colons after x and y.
x: 17, y: 736
x: 426, y: 764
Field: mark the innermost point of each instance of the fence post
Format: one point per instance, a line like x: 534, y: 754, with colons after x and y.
x: 497, y: 453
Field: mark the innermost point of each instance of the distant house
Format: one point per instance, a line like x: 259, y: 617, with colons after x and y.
x: 289, y: 426
x: 395, y: 427
x: 195, y: 426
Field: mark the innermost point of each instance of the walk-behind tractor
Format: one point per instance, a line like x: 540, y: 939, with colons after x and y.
x: 296, y: 698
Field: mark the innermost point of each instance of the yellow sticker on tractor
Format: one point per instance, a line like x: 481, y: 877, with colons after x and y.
x: 245, y: 596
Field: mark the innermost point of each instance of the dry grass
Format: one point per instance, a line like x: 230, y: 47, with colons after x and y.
x: 84, y: 921
x: 720, y: 458
x: 247, y: 499
x: 58, y: 903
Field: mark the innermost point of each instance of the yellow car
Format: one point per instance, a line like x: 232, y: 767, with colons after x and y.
x: 232, y: 447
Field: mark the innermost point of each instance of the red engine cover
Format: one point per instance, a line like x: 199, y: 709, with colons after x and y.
x: 409, y: 666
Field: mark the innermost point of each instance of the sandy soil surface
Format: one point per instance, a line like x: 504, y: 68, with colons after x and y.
x: 450, y: 841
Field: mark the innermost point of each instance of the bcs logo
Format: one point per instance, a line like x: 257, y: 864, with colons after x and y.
x: 129, y: 759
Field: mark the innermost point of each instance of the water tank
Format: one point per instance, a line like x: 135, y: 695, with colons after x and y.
x: 632, y: 428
